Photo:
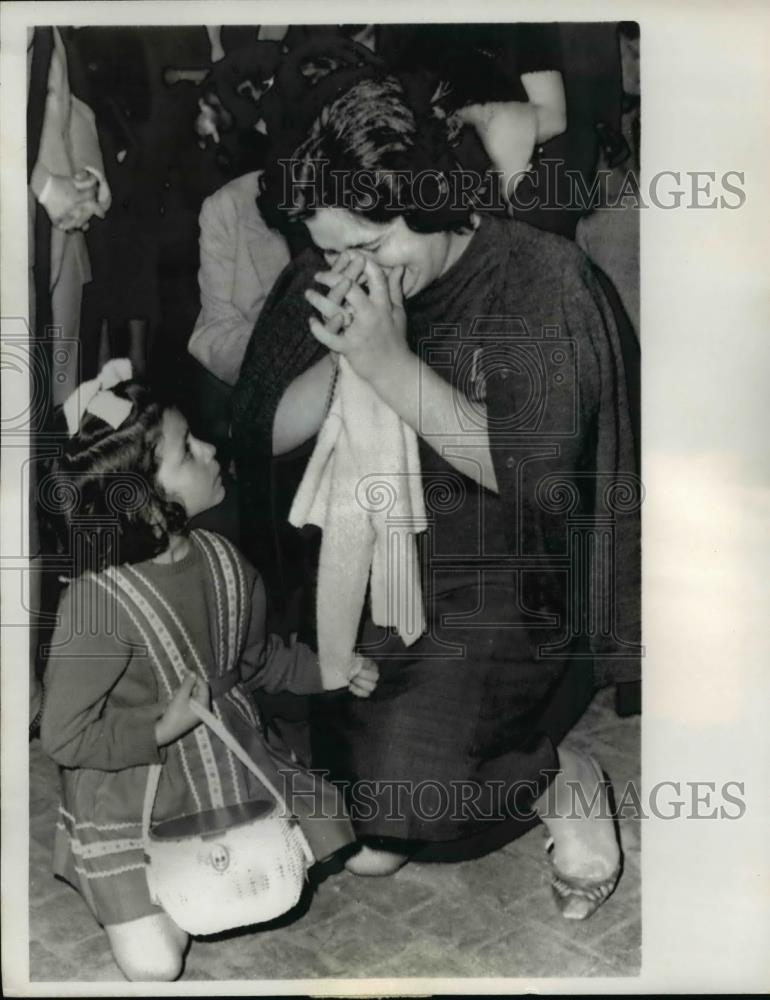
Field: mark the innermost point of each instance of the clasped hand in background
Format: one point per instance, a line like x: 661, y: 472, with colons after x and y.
x: 71, y: 202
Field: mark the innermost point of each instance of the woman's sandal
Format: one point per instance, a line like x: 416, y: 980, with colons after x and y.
x: 579, y: 898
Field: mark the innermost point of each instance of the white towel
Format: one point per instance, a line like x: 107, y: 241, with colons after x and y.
x: 363, y: 488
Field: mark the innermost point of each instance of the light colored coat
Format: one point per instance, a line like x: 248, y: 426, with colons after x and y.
x: 240, y: 258
x: 69, y: 142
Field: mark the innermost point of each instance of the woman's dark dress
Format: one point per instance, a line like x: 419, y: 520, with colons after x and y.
x: 457, y: 717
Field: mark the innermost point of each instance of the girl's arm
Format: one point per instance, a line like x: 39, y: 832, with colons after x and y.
x: 268, y: 663
x: 87, y: 720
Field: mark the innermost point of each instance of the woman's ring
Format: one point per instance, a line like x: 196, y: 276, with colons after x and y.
x: 347, y: 318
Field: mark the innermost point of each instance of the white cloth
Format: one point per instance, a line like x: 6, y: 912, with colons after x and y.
x: 363, y: 488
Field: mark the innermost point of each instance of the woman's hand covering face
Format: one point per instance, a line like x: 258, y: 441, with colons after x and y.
x: 374, y: 337
x: 345, y: 271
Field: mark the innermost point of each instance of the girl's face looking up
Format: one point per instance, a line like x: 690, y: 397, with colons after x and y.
x: 188, y: 471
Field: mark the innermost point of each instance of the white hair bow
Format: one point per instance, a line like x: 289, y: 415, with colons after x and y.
x: 94, y: 397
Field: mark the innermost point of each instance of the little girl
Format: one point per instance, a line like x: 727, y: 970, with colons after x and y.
x: 154, y: 617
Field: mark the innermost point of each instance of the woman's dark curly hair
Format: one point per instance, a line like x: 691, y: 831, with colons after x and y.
x: 382, y: 158
x: 99, y: 501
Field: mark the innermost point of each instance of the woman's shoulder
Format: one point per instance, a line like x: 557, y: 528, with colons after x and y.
x: 541, y: 261
x: 541, y: 245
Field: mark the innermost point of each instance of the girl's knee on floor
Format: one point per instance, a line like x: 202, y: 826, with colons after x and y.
x: 150, y: 949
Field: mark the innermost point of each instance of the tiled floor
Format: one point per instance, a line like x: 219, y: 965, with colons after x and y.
x: 492, y: 916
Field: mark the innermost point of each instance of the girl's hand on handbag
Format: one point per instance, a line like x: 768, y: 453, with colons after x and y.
x: 179, y: 718
x: 363, y: 677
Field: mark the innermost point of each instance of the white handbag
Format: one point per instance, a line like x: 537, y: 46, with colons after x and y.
x: 227, y: 867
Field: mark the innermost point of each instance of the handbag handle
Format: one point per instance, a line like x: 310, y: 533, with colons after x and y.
x: 153, y: 776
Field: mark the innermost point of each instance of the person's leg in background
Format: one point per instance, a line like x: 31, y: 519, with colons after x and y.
x: 66, y: 299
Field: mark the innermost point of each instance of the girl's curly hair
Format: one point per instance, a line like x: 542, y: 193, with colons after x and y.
x: 99, y: 501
